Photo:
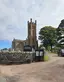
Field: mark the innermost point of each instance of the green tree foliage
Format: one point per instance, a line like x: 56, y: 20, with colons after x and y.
x: 47, y: 35
x: 60, y: 34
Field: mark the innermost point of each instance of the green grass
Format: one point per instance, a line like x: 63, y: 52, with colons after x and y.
x: 46, y: 57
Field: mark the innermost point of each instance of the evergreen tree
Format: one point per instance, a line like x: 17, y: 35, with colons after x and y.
x: 60, y: 34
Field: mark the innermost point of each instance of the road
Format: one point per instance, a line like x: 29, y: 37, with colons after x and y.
x: 50, y: 71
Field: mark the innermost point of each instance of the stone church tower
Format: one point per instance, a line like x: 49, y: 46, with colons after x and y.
x: 32, y: 38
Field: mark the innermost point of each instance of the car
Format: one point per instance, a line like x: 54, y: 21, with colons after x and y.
x: 27, y: 48
x: 61, y: 52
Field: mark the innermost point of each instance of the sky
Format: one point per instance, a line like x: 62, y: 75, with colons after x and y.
x: 14, y: 15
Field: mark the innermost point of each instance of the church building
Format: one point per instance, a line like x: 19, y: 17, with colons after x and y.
x: 31, y: 38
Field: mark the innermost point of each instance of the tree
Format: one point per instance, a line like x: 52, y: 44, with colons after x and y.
x: 60, y: 34
x: 47, y: 35
x: 4, y: 49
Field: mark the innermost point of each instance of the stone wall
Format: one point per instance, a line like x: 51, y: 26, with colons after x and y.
x: 15, y: 57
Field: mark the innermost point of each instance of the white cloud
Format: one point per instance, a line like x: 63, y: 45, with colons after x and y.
x: 14, y: 15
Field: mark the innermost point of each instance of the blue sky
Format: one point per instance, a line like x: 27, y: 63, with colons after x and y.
x: 14, y: 15
x: 5, y: 44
